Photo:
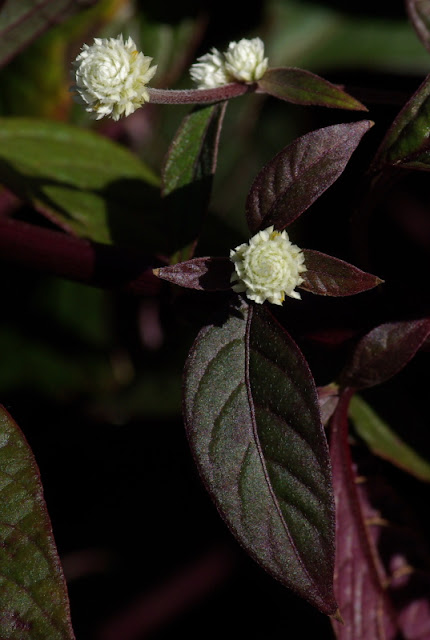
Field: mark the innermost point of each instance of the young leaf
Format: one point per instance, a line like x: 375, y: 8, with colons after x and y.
x: 23, y: 21
x: 383, y: 352
x: 303, y: 87
x: 380, y: 438
x: 253, y: 423
x: 206, y: 274
x: 187, y: 175
x: 407, y: 141
x: 419, y: 15
x: 85, y: 183
x: 362, y: 598
x: 33, y: 596
x: 300, y: 173
x: 328, y: 276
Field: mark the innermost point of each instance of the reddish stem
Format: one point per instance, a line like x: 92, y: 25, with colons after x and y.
x: 63, y: 255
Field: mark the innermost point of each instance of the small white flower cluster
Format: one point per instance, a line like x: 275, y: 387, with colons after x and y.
x: 110, y: 77
x: 268, y: 267
x: 243, y: 61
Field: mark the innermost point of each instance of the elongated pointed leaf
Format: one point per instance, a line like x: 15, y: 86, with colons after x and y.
x: 33, y: 596
x: 187, y: 175
x: 300, y: 173
x: 419, y: 15
x: 384, y: 442
x: 87, y: 184
x: 303, y: 87
x: 21, y: 22
x: 363, y: 603
x: 407, y: 141
x: 384, y: 351
x: 328, y: 276
x: 206, y: 274
x: 253, y: 424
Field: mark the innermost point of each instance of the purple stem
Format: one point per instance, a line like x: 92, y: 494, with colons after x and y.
x: 63, y: 255
x: 199, y: 96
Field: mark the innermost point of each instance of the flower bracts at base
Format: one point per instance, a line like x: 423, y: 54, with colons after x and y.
x: 243, y: 61
x: 268, y: 267
x: 111, y: 76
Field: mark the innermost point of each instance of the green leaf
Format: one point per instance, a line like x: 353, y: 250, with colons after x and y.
x: 33, y: 595
x: 187, y: 175
x: 382, y: 440
x: 419, y: 15
x: 300, y: 173
x: 253, y: 424
x: 23, y: 21
x: 85, y: 183
x: 303, y: 87
x: 407, y: 141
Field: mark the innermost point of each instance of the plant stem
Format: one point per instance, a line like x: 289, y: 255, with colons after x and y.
x: 88, y: 262
x: 199, y: 96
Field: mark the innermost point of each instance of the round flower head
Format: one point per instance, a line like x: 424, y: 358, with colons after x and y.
x: 110, y: 77
x: 243, y: 61
x: 268, y: 267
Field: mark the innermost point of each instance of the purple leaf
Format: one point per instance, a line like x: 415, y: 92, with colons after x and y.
x: 303, y: 87
x: 328, y: 276
x: 300, y: 173
x: 363, y: 603
x: 419, y: 15
x: 384, y: 351
x: 253, y: 423
x: 205, y: 274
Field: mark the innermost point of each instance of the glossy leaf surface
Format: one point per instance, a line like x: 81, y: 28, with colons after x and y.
x: 328, y: 276
x: 21, y: 22
x: 384, y: 442
x: 361, y: 595
x: 187, y: 175
x: 407, y: 142
x: 85, y: 183
x: 33, y: 596
x: 384, y: 351
x: 419, y: 14
x: 254, y: 427
x: 206, y: 274
x: 303, y: 87
x: 300, y: 173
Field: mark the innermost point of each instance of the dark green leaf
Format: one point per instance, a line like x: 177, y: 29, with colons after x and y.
x: 206, y: 274
x: 87, y: 184
x: 384, y: 351
x: 303, y: 87
x: 328, y: 276
x: 419, y: 14
x: 300, y: 173
x: 21, y: 22
x: 187, y: 175
x: 254, y: 427
x: 382, y: 440
x: 407, y: 142
x: 33, y: 595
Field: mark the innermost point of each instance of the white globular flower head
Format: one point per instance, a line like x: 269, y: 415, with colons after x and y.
x: 110, y: 77
x: 268, y: 267
x: 243, y: 61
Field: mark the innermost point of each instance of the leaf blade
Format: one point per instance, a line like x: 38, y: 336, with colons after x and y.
x: 300, y: 173
x: 204, y: 274
x: 419, y: 15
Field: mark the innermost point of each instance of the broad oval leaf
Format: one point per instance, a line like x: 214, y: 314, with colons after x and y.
x: 300, y: 173
x: 419, y: 14
x: 303, y: 87
x: 85, y: 183
x: 23, y: 21
x: 187, y: 175
x: 33, y: 595
x: 407, y: 141
x: 205, y: 274
x: 328, y: 276
x: 384, y: 442
x: 253, y: 423
x: 383, y: 352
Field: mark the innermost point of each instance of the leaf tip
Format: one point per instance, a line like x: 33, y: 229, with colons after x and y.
x: 336, y: 616
x: 156, y: 272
